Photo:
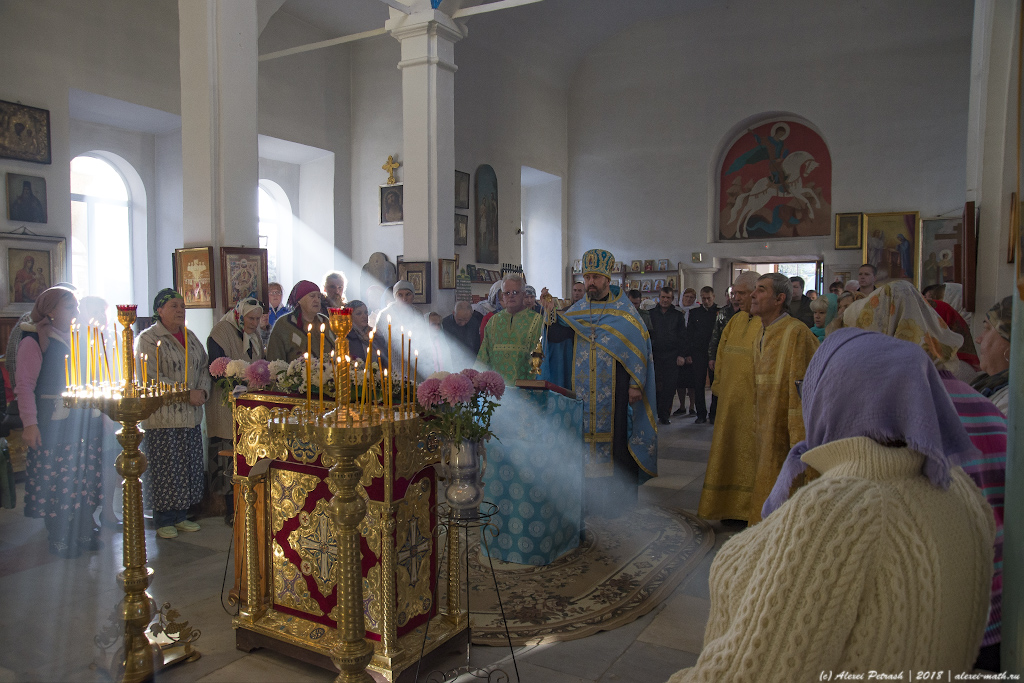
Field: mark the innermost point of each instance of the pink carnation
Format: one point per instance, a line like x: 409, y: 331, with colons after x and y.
x: 456, y: 389
x: 490, y: 382
x: 258, y: 374
x: 429, y: 393
x: 470, y: 373
x: 219, y: 366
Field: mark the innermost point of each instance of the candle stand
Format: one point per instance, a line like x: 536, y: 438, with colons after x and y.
x: 130, y: 402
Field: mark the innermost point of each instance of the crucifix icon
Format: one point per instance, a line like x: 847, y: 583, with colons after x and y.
x: 415, y: 547
x: 390, y: 167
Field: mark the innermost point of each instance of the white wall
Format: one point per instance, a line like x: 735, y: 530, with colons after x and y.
x: 650, y: 109
x: 507, y: 118
x: 119, y: 48
x: 543, y: 234
x: 376, y: 117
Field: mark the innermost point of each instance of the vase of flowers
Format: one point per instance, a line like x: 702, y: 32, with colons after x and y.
x: 463, y: 404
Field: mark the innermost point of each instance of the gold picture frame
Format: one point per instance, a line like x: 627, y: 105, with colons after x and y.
x: 890, y: 244
x: 193, y: 276
x: 29, y: 264
x: 849, y: 230
x: 446, y: 270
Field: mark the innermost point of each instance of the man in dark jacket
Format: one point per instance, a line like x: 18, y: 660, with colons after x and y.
x: 667, y: 328
x: 800, y: 305
x: 463, y: 327
x: 699, y: 327
x: 722, y: 319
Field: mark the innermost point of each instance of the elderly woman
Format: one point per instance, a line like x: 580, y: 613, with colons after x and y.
x: 288, y: 338
x: 883, y: 562
x: 63, y: 464
x: 898, y: 310
x: 994, y: 355
x: 236, y: 336
x: 846, y: 299
x: 824, y: 309
x: 173, y: 443
x: 530, y: 299
x: 359, y: 336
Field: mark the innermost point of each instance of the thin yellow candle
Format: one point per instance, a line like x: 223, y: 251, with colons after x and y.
x: 106, y: 361
x: 88, y: 355
x: 117, y: 356
x: 367, y: 363
x: 185, y: 330
x: 67, y: 373
x: 145, y: 370
x: 309, y: 382
x: 321, y: 364
x: 337, y: 381
x: 348, y: 379
x: 387, y: 395
x: 380, y: 366
x: 407, y: 393
x: 385, y: 387
x: 415, y: 375
x: 401, y: 363
x: 158, y: 364
x: 71, y: 346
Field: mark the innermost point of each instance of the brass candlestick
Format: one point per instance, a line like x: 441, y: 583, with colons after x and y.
x: 342, y: 443
x: 341, y: 325
x: 130, y: 404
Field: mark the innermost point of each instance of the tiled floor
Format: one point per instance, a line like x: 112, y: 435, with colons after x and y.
x: 52, y: 609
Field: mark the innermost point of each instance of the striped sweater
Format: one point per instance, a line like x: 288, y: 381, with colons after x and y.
x: 987, y: 428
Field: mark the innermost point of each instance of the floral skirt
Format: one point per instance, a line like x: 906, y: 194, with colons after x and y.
x: 63, y: 478
x: 173, y: 479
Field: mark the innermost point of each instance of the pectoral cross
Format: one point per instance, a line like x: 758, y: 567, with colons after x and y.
x: 390, y: 167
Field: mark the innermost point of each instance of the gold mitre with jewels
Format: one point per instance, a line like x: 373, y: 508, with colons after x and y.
x: 598, y: 262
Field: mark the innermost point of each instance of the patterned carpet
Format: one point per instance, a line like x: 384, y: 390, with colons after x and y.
x: 623, y: 569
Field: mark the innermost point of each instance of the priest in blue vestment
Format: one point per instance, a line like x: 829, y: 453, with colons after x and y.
x: 599, y: 349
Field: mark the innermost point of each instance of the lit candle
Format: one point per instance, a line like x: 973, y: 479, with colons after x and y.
x: 320, y: 362
x: 348, y: 379
x: 88, y: 354
x: 387, y: 395
x: 380, y: 366
x: 74, y: 376
x: 385, y: 387
x: 118, y: 372
x: 401, y: 364
x: 67, y: 374
x: 337, y: 381
x: 145, y: 370
x: 309, y: 382
x: 106, y: 361
x: 406, y: 392
x: 415, y: 374
x: 185, y: 330
x: 158, y: 364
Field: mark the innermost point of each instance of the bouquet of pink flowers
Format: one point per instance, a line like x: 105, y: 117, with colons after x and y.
x: 228, y: 374
x: 463, y: 402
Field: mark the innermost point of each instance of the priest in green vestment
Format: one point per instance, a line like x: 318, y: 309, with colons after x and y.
x: 511, y: 334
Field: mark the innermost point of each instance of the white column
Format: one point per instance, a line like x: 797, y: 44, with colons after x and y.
x: 219, y: 104
x: 428, y: 128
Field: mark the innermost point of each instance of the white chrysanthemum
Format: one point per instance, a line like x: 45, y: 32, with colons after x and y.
x: 236, y: 369
x: 276, y: 367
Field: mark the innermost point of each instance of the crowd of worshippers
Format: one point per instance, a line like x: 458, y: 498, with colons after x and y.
x: 875, y: 513
x: 871, y: 511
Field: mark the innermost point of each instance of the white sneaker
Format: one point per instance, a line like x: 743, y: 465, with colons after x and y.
x: 167, y: 532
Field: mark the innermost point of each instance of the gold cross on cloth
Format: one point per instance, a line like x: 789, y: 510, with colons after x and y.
x: 390, y: 167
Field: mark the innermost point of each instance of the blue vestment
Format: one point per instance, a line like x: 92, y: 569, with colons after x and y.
x: 608, y: 332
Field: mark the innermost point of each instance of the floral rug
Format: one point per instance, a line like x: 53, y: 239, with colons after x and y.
x: 622, y: 570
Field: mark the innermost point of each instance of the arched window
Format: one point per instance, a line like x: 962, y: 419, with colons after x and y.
x: 275, y: 231
x: 101, y: 235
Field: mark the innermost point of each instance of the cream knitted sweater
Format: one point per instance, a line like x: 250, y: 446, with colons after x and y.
x: 869, y: 567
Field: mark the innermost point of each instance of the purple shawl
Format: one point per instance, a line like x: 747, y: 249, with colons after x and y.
x: 862, y: 383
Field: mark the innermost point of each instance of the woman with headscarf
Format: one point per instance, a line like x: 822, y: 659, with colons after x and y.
x: 898, y: 310
x: 824, y: 309
x: 955, y: 322
x: 994, y: 355
x: 288, y: 338
x: 845, y: 300
x: 63, y: 464
x: 173, y: 443
x: 236, y: 336
x: 883, y: 562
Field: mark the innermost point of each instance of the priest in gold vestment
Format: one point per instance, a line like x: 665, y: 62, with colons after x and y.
x: 781, y: 355
x: 729, y: 480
